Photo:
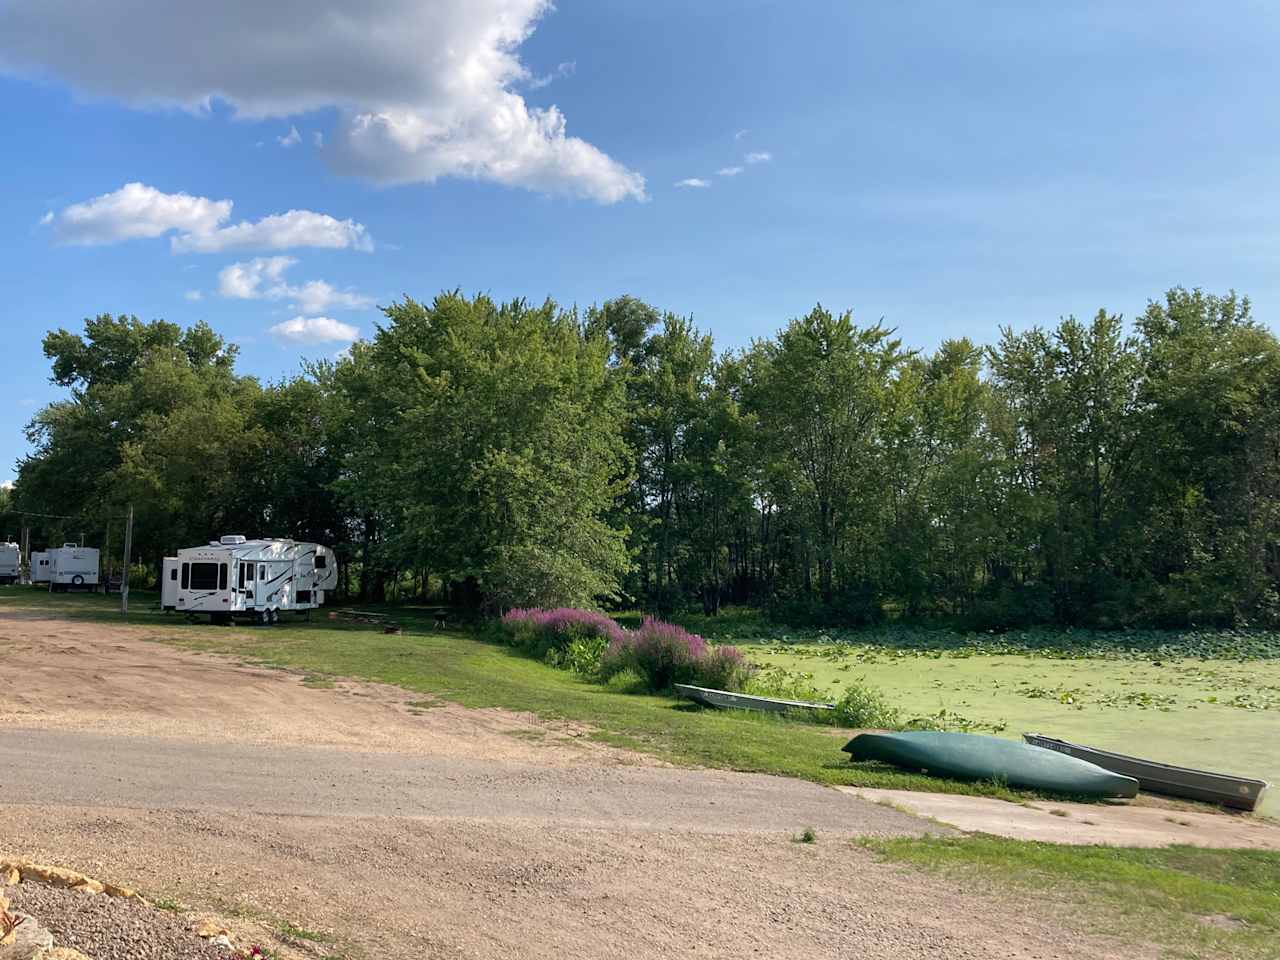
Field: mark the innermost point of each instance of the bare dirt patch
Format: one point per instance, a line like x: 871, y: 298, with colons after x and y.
x: 408, y: 889
x: 111, y: 679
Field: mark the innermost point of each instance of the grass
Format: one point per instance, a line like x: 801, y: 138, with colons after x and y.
x: 1191, y: 901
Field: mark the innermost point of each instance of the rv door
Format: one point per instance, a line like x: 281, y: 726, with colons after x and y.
x: 247, y: 583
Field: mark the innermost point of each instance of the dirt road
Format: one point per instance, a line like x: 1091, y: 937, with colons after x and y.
x: 442, y: 832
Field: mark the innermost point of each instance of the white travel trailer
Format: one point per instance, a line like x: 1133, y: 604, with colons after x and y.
x: 72, y: 566
x: 234, y: 577
x: 40, y: 566
x: 10, y: 562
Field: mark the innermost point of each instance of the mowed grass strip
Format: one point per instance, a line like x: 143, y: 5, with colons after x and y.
x: 455, y: 665
x: 1193, y: 902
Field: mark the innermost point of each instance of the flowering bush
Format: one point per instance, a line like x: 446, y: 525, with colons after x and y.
x: 663, y: 654
x: 541, y: 632
x: 595, y: 646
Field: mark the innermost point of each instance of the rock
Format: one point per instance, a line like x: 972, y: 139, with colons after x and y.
x: 208, y: 928
x: 29, y: 940
x: 61, y: 953
x: 4, y: 902
x: 10, y: 872
x: 112, y: 890
x: 52, y: 876
x: 222, y: 940
x: 88, y: 886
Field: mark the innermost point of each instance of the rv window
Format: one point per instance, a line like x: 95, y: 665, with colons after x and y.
x: 222, y: 576
x: 321, y: 561
x: 173, y: 574
x: 204, y: 576
x: 186, y: 570
x: 262, y: 572
x: 242, y: 566
x: 248, y: 573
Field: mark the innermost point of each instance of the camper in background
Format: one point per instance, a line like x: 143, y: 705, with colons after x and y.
x: 73, y: 567
x: 259, y: 579
x: 10, y: 562
x: 40, y: 567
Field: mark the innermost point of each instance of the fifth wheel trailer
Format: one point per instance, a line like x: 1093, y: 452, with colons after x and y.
x: 234, y: 578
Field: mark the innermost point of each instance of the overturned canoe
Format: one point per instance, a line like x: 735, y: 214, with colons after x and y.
x: 743, y: 701
x: 1243, y: 793
x: 967, y: 756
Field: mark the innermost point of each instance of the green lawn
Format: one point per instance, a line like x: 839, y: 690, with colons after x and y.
x: 1192, y: 902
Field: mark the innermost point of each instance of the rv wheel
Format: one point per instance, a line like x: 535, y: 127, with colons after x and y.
x: 264, y: 617
x: 275, y: 617
x: 77, y: 580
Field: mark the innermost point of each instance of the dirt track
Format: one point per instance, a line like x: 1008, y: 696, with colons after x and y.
x: 445, y: 832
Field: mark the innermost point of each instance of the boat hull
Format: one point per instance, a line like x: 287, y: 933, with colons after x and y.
x: 967, y: 756
x: 1242, y: 793
x: 743, y: 701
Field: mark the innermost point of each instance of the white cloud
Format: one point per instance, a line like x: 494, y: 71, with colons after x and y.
x: 193, y: 295
x: 693, y: 182
x: 315, y: 330
x: 421, y: 90
x: 281, y: 231
x: 761, y: 156
x: 140, y: 211
x: 253, y: 279
x: 136, y: 210
x: 561, y: 71
x: 290, y: 139
x: 263, y: 279
x: 729, y: 171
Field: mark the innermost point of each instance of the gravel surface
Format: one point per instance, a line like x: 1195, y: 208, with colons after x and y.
x: 111, y: 928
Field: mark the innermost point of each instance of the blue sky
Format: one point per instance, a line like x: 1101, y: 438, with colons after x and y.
x: 949, y: 168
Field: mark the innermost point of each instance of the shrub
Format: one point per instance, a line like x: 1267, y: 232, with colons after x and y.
x: 582, y: 656
x: 664, y: 654
x: 539, y: 632
x: 863, y: 707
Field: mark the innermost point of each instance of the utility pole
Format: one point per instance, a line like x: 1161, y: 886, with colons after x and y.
x: 106, y: 552
x: 124, y: 576
x: 26, y: 548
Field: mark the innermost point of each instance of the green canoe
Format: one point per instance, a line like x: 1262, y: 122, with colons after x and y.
x: 967, y: 756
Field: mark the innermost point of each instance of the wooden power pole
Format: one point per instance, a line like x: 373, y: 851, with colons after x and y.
x: 124, y: 575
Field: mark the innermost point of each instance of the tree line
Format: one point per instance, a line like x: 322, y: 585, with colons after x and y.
x: 505, y: 454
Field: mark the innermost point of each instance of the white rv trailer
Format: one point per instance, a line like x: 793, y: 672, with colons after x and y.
x: 72, y: 566
x: 234, y: 577
x: 10, y: 562
x: 40, y: 566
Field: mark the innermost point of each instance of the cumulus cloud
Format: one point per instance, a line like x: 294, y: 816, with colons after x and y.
x: 315, y: 330
x: 290, y: 139
x: 729, y: 171
x: 136, y: 210
x: 197, y: 224
x: 760, y: 156
x: 693, y: 182
x: 281, y: 231
x: 263, y: 278
x: 421, y: 90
